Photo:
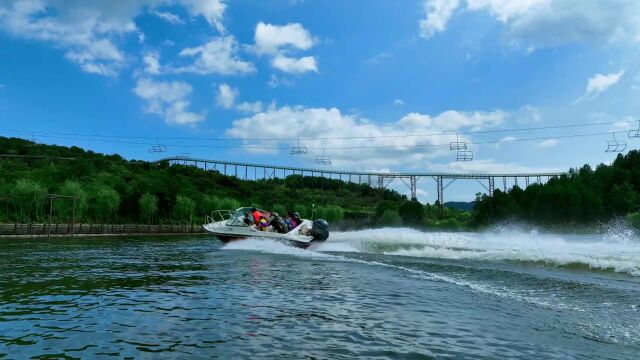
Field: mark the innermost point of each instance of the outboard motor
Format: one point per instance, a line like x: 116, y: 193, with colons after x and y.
x: 320, y: 230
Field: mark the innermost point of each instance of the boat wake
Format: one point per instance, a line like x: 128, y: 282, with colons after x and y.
x: 592, y: 252
x: 395, y: 248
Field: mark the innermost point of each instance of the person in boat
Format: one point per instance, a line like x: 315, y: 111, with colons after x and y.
x: 256, y: 216
x: 248, y: 219
x: 291, y: 221
x: 278, y: 224
x: 263, y: 224
x: 296, y: 217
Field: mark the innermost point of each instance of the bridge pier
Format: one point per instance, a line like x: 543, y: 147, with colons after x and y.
x: 492, y: 185
x: 413, y: 180
x: 440, y: 189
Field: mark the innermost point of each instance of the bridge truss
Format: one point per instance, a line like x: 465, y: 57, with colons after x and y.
x: 249, y: 171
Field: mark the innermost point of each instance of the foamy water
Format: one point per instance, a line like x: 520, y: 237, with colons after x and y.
x: 611, y: 252
x: 620, y: 253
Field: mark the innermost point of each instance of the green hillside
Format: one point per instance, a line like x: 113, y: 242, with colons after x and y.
x: 113, y: 189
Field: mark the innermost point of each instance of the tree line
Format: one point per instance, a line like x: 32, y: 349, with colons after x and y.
x: 583, y: 196
x: 111, y: 189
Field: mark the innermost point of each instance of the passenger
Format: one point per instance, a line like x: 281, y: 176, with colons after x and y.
x: 256, y: 216
x: 278, y: 224
x: 296, y: 217
x: 292, y: 221
x: 263, y: 224
x: 248, y: 219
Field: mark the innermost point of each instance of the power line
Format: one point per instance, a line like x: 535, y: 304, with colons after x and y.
x: 339, y: 147
x: 478, y: 132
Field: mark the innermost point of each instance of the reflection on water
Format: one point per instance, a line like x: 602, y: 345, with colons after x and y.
x: 375, y: 294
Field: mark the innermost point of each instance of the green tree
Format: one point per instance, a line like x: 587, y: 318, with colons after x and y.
x: 384, y: 206
x: 280, y: 209
x: 64, y: 206
x: 184, y: 208
x: 623, y: 199
x: 228, y: 204
x: 148, y: 204
x: 304, y: 213
x: 210, y: 203
x: 412, y: 213
x: 331, y: 213
x: 29, y: 197
x: 390, y: 218
x: 107, y: 202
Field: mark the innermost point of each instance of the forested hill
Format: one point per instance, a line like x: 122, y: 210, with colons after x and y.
x: 584, y: 196
x: 112, y: 189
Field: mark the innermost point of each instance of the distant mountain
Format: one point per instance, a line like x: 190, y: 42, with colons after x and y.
x: 460, y: 205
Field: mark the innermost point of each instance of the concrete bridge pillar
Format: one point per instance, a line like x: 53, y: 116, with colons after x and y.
x: 413, y: 180
x: 440, y: 187
x: 492, y: 185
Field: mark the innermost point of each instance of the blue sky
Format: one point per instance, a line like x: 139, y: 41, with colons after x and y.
x: 368, y: 70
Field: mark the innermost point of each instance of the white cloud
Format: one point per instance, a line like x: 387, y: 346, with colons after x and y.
x: 279, y: 42
x: 378, y: 58
x: 506, y: 10
x: 398, y: 102
x: 548, y: 143
x: 152, y: 63
x: 505, y: 140
x: 218, y: 56
x: 84, y: 31
x: 527, y: 114
x: 226, y: 96
x: 272, y: 39
x: 598, y: 84
x: 275, y: 81
x: 486, y: 166
x: 391, y: 152
x: 212, y: 10
x: 248, y: 107
x: 438, y: 14
x: 295, y: 66
x: 169, y: 17
x: 89, y: 31
x: 168, y: 99
x: 532, y: 24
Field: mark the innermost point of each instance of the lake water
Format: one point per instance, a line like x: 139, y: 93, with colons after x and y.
x: 375, y: 294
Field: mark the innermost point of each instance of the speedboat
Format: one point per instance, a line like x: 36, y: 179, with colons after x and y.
x: 230, y: 225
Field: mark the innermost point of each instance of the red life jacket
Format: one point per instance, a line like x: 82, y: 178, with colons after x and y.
x: 256, y: 217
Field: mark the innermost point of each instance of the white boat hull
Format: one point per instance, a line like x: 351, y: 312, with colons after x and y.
x: 227, y: 233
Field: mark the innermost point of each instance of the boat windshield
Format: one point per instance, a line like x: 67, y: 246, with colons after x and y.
x: 237, y: 219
